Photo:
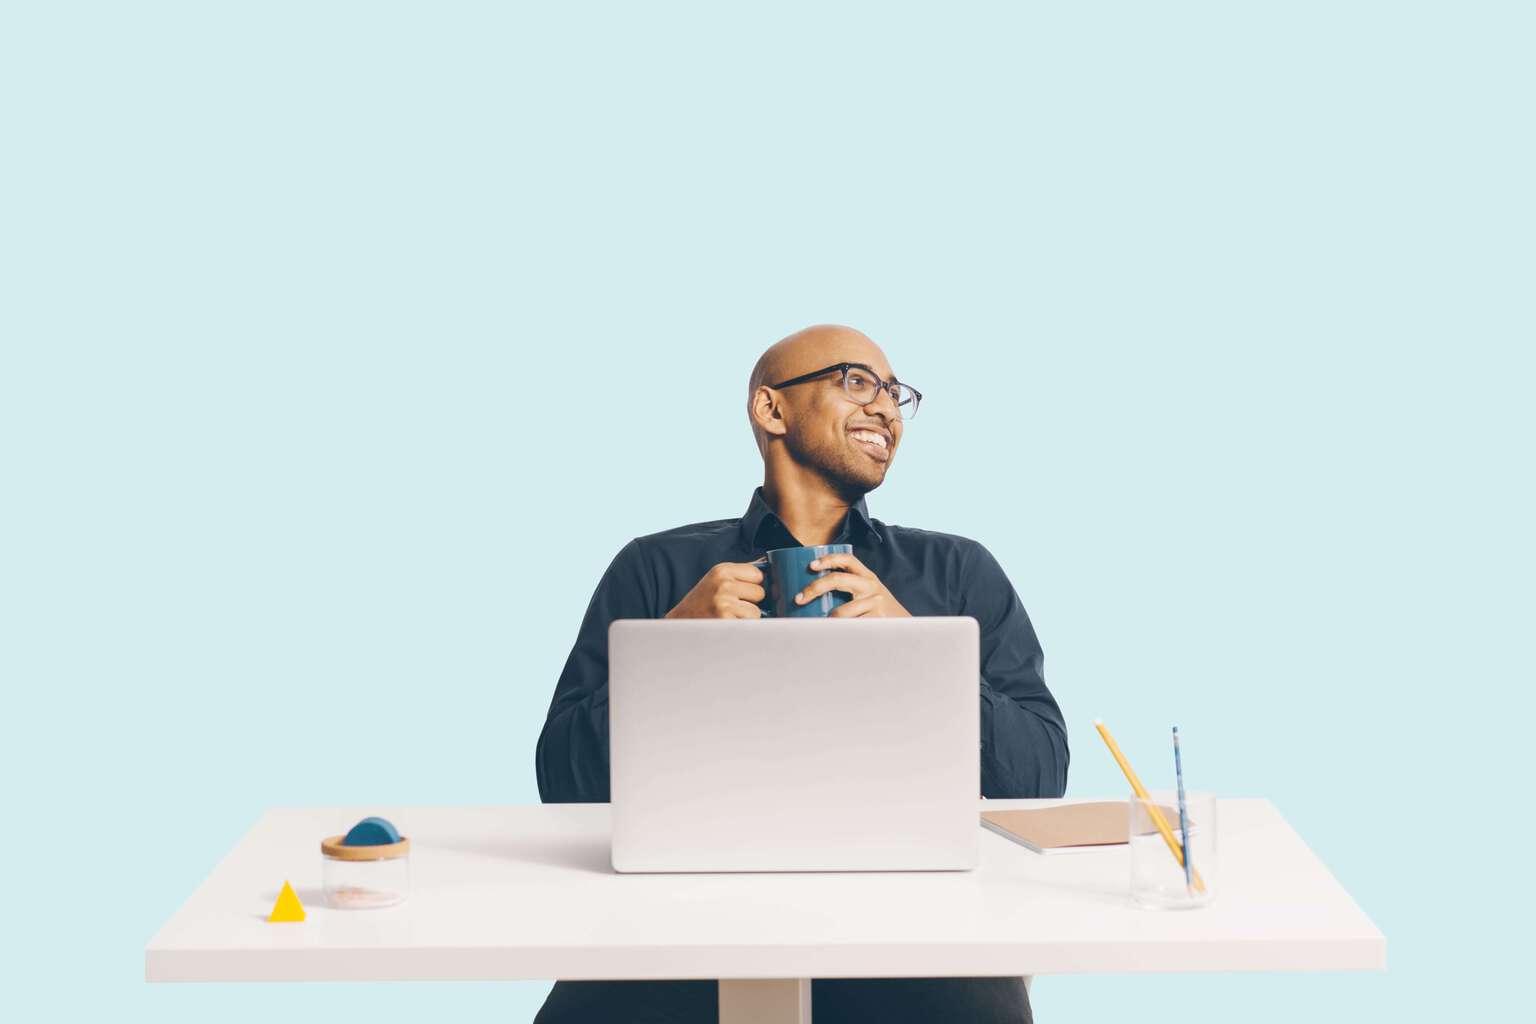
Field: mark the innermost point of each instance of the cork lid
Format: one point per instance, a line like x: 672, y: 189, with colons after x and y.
x: 373, y: 838
x: 336, y: 848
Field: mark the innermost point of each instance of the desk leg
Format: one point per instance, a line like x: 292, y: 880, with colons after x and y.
x: 765, y: 1001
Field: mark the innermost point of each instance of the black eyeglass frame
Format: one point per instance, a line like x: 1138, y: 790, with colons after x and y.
x: 880, y: 385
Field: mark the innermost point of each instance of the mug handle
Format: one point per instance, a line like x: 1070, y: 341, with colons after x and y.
x: 762, y: 563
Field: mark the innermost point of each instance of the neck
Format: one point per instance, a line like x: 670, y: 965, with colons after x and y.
x: 812, y: 509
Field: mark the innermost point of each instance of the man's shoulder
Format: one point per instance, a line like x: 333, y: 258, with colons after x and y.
x: 929, y: 538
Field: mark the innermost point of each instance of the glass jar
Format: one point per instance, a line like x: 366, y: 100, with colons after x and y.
x: 1158, y: 878
x: 365, y: 877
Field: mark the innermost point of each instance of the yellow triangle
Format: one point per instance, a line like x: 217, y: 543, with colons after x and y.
x: 287, y: 907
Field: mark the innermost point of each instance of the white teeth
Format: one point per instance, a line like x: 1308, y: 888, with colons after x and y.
x: 870, y: 436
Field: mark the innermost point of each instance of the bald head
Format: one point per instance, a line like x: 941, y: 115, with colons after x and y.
x: 811, y: 421
x: 812, y: 348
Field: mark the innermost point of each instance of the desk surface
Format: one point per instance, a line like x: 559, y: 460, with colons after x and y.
x: 528, y: 892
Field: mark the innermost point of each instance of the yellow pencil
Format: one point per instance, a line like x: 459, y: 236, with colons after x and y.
x: 1146, y: 798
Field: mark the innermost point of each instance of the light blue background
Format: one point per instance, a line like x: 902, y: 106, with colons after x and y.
x: 345, y: 344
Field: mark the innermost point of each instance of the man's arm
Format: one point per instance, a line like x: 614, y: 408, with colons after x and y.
x: 572, y: 754
x: 1023, y: 736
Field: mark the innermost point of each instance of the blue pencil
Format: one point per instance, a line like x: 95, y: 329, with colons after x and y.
x: 1178, y: 770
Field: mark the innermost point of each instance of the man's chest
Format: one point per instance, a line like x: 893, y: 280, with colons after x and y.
x: 923, y: 586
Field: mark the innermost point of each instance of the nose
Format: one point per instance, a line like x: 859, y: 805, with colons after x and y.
x: 883, y: 401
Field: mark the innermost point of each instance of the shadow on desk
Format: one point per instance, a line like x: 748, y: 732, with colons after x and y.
x: 590, y: 855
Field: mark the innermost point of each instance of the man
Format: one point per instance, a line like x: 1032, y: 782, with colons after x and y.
x: 828, y: 415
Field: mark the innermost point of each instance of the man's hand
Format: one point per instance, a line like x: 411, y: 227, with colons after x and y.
x: 729, y: 590
x: 869, y: 595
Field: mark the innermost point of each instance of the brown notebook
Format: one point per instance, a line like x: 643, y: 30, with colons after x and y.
x: 1067, y: 828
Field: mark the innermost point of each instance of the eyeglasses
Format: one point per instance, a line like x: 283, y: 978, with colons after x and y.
x: 864, y: 386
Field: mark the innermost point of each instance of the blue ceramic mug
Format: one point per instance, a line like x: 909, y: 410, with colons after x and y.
x: 786, y: 572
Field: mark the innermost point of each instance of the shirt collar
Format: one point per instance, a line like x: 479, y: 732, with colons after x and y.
x: 760, y: 516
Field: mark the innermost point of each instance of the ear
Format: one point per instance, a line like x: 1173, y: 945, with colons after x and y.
x: 768, y: 412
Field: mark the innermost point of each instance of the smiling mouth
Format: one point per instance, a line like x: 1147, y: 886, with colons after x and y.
x: 872, y: 444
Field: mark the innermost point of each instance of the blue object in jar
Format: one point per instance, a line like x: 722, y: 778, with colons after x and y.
x: 372, y: 832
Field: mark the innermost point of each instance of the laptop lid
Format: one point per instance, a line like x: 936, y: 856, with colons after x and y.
x: 794, y: 744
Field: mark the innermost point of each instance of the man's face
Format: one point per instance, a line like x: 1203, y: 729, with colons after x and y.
x: 851, y: 445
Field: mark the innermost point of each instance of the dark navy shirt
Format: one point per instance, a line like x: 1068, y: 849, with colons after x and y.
x: 1023, y: 737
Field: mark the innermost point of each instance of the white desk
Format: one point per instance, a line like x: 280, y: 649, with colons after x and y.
x: 528, y: 892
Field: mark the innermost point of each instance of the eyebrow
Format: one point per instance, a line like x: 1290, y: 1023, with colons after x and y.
x: 892, y: 379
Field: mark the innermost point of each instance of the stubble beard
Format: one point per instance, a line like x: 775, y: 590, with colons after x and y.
x: 851, y: 474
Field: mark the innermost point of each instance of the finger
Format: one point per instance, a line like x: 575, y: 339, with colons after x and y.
x: 747, y: 571
x: 848, y: 563
x: 857, y: 608
x: 857, y: 586
x: 726, y: 606
x: 746, y: 591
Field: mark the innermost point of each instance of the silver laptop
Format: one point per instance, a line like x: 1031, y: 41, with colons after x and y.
x: 794, y: 744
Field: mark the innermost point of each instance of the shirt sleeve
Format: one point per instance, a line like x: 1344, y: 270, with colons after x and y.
x: 571, y: 759
x: 1023, y: 735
